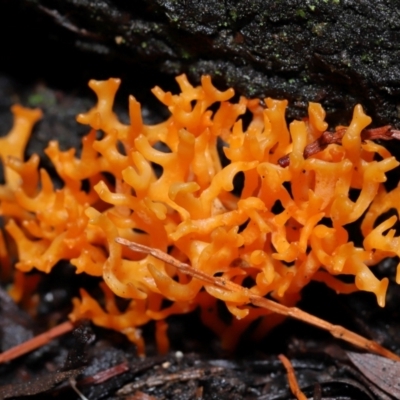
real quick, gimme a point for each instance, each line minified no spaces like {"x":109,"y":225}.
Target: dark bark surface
{"x":337,"y":52}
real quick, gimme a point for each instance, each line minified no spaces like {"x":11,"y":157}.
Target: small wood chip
{"x":160,"y":379}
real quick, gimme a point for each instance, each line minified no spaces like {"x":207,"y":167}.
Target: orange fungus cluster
{"x":286,"y":227}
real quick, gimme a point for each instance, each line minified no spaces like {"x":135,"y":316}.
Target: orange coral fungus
{"x":274,"y":232}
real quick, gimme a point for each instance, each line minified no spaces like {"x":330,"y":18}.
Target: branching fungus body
{"x":285,"y":228}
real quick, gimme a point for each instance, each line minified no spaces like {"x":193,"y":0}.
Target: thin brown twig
{"x":36,"y":342}
{"x":105,"y":375}
{"x":383,"y":133}
{"x":293,"y":384}
{"x":66,"y":23}
{"x":293,"y":312}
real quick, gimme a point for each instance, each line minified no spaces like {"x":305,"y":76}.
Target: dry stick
{"x":336,"y":330}
{"x":36,"y":342}
{"x":105,"y":375}
{"x":293,"y":384}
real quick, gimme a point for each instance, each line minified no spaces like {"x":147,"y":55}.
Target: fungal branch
{"x":245,"y":295}
{"x":273,"y":234}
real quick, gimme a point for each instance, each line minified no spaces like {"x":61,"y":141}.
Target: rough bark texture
{"x":338,"y":52}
